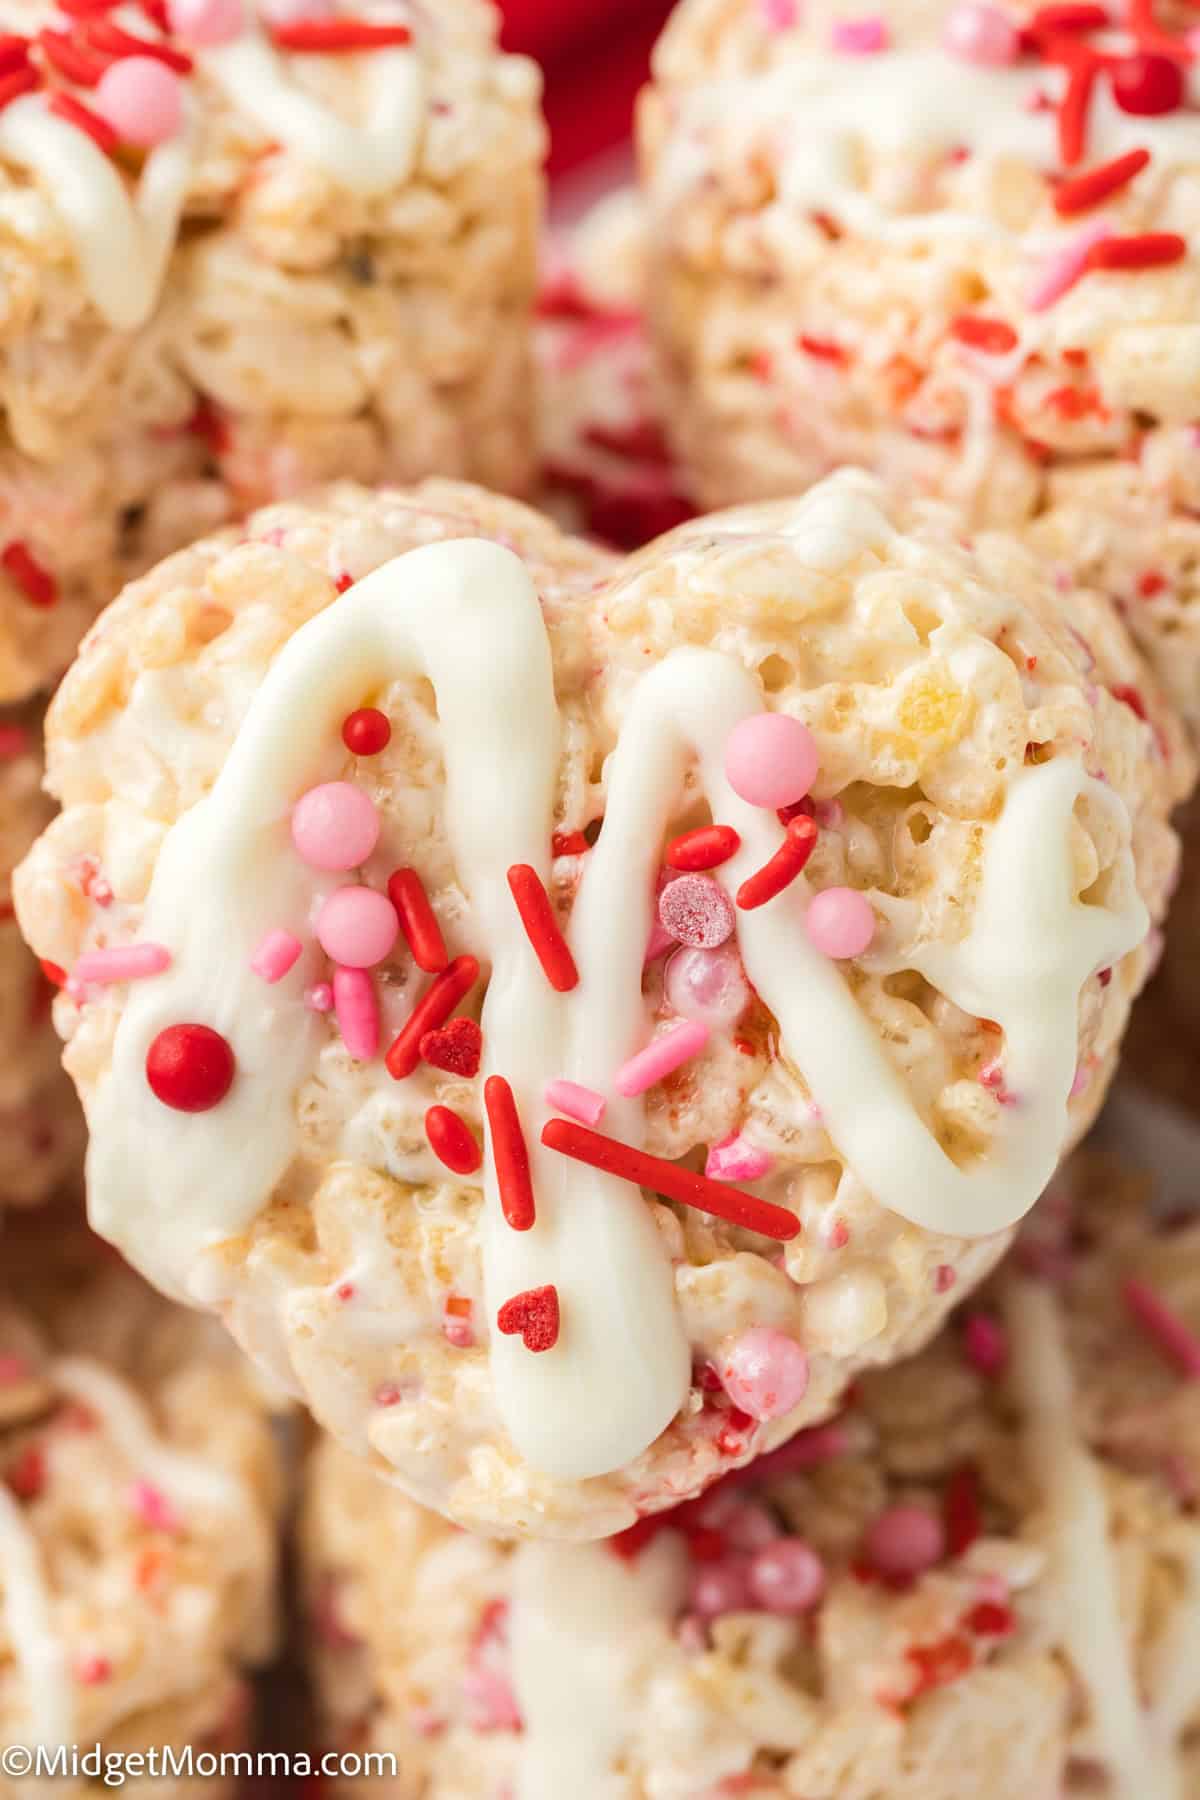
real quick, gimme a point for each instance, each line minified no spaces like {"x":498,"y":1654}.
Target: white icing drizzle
{"x":586,"y":1627}
{"x":1142,"y":1764}
{"x":464,"y":614}
{"x":122,"y":242}
{"x":39,"y":1652}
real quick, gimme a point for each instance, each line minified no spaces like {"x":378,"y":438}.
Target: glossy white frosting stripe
{"x":28,"y":1617}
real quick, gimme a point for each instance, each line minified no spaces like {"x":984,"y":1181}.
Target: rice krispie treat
{"x":954,"y":241}
{"x":248,"y":245}
{"x":140,"y":1496}
{"x":606,"y":465}
{"x":771,"y":904}
{"x":980,"y":1582}
{"x":41,"y":1126}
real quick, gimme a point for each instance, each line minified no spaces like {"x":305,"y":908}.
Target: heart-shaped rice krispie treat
{"x":771,"y":904}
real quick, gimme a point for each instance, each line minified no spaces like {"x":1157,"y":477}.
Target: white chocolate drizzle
{"x":169,"y":1188}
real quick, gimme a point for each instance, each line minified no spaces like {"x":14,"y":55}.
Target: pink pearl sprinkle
{"x":771,"y":759}
{"x":126,"y":964}
{"x":735,"y":1159}
{"x":1062,"y":270}
{"x":278,"y":952}
{"x":981,"y":34}
{"x":582,"y":1103}
{"x":142,"y":100}
{"x":696,"y":911}
{"x":205,"y":22}
{"x":660,"y":1058}
{"x":153,"y":1507}
{"x":905,"y":1540}
{"x":1173,"y":1336}
{"x":335,"y":826}
{"x":357,"y":1012}
{"x":859,"y":37}
{"x":765,"y":1373}
{"x":840,"y":922}
{"x":720,"y":1588}
{"x":788,"y":1577}
{"x":319,"y":997}
{"x":747,"y":1526}
{"x":357,"y":927}
{"x":708,"y":985}
{"x":985,"y":1343}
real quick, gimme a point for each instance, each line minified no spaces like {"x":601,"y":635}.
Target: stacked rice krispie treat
{"x":247,"y":245}
{"x":140,"y":1500}
{"x":954,"y":241}
{"x":981,"y":1581}
{"x":770,"y":904}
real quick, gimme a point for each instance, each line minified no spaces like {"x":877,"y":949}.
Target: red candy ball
{"x":366,"y":732}
{"x":1147,"y":85}
{"x":190,"y":1067}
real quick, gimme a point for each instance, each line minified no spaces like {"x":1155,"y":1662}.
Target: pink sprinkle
{"x":142,"y":100}
{"x":839,"y":1235}
{"x":357,"y":927}
{"x":736,"y":1159}
{"x":840,"y":922}
{"x":661,"y":1057}
{"x":1062,"y":270}
{"x":905,"y":1540}
{"x":490,"y":1702}
{"x":278,"y":952}
{"x":127,"y":964}
{"x":985,"y":1344}
{"x":719,"y":1588}
{"x":335,"y":826}
{"x":1178,"y":1342}
{"x":92,"y":1670}
{"x":944,"y":1278}
{"x":779,"y":15}
{"x":708,"y":985}
{"x":459,"y":1333}
{"x":14,"y":1370}
{"x":981,"y":34}
{"x":771,"y":759}
{"x":1082,"y":1079}
{"x":860,"y":37}
{"x":582,"y":1103}
{"x":696,"y":911}
{"x":829,"y":814}
{"x":388,"y":1394}
{"x":205,"y":22}
{"x":153,"y":1507}
{"x":319,"y":997}
{"x":788,"y":1577}
{"x":765,"y":1373}
{"x":357,"y":1012}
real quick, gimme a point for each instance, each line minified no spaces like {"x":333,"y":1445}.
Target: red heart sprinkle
{"x":533,"y":1314}
{"x":455,"y":1047}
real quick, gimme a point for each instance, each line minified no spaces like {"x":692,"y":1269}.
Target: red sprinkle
{"x":1151,"y":583}
{"x":939,"y":1664}
{"x":993,"y":336}
{"x":1170,"y":1334}
{"x":109,"y":38}
{"x":190,"y":1067}
{"x":1147,"y":85}
{"x":705,"y":848}
{"x":823,"y":349}
{"x":784,"y":866}
{"x":1072,"y":114}
{"x":85,"y":120}
{"x":21,"y":81}
{"x":432,"y":1009}
{"x":1130,"y":697}
{"x":569,"y":843}
{"x":533,"y":1316}
{"x":14,"y":52}
{"x":1149,"y":250}
{"x":418,"y":921}
{"x":367,"y":731}
{"x":961,"y":1512}
{"x":455,"y":1047}
{"x":669,"y":1179}
{"x":1087,"y":190}
{"x":73,"y":60}
{"x":35,"y":581}
{"x":541,"y":928}
{"x":52,"y":972}
{"x":327,"y":37}
{"x":991,"y":1618}
{"x":509,"y":1154}
{"x":452,"y":1142}
{"x":27,"y":1476}
{"x":1068,"y":15}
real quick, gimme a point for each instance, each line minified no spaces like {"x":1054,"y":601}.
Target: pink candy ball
{"x":696,"y":911}
{"x":719,"y":1588}
{"x":771,"y":759}
{"x":981,"y":34}
{"x":357,"y":927}
{"x":905,"y":1540}
{"x":707,"y":985}
{"x":840,"y":922}
{"x":335,"y":826}
{"x":765,"y":1373}
{"x":205,"y":22}
{"x":787,"y":1577}
{"x":142,"y":100}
